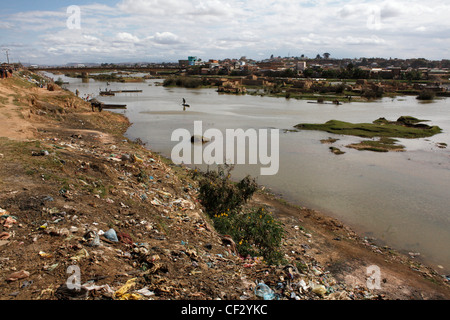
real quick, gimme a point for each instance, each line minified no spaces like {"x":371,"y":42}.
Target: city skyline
{"x":60,"y":32}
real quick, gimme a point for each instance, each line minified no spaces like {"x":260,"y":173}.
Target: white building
{"x":301,"y":66}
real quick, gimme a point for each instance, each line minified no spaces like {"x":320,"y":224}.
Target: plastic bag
{"x":111,"y":235}
{"x":263,"y":291}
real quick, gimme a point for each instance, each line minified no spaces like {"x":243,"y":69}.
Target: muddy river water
{"x":402,"y":199}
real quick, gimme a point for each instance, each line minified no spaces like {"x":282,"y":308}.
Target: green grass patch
{"x":404,"y":127}
{"x":383,"y":144}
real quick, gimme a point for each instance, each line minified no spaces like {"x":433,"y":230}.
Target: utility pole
{"x":7,"y":53}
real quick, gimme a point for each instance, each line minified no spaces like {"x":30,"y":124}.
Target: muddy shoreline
{"x":73,"y":174}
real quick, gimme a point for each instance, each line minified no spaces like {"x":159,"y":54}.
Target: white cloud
{"x":349,"y":40}
{"x":165,"y":38}
{"x":5,"y":25}
{"x":169,"y":8}
{"x":127,"y":37}
{"x":173,"y":29}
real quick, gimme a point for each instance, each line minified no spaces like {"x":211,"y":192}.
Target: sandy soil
{"x":12,"y":121}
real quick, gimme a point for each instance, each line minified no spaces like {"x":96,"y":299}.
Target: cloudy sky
{"x":59,"y":32}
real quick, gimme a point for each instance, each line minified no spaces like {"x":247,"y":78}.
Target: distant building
{"x":183,"y":63}
{"x":301,"y":66}
{"x":438,"y":71}
{"x":192,"y":61}
{"x":396,"y":71}
{"x":275,"y":66}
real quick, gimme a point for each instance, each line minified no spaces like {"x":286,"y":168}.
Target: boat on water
{"x":114,"y":106}
{"x":107,"y":93}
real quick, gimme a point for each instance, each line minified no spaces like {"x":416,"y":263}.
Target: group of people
{"x":5,"y":73}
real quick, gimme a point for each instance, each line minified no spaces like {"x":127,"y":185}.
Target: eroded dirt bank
{"x":68,"y":176}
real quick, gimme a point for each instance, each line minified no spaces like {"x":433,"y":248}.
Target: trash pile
{"x":145,"y":237}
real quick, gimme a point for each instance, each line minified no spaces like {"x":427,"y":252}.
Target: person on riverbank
{"x":2,"y":73}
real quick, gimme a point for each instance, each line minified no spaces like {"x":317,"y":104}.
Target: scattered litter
{"x":40,"y":153}
{"x":122,"y":292}
{"x":124,"y":238}
{"x":319,"y":289}
{"x":64,"y":293}
{"x":43,"y":254}
{"x":145,"y":292}
{"x":5,"y":235}
{"x":104,"y":290}
{"x":263,"y":291}
{"x":93,"y":238}
{"x":9,"y":222}
{"x":82,"y":254}
{"x":18,"y":275}
{"x":111,"y":235}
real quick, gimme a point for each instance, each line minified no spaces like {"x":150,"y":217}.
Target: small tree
{"x":59,"y":82}
{"x":255,"y":231}
{"x":426,"y":95}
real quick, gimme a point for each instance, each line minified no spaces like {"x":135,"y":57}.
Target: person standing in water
{"x":185,"y":105}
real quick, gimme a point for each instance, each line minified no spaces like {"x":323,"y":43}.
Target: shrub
{"x":426,"y":95}
{"x":339,"y":88}
{"x":255,"y":231}
{"x":168,"y":82}
{"x":373,"y":94}
{"x":218,"y":194}
{"x":59,"y":82}
{"x":183,"y":82}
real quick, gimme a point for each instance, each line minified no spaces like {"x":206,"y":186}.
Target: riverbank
{"x":335,"y":91}
{"x":69,"y":175}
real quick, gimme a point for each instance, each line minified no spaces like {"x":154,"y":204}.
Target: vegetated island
{"x":405,"y":127}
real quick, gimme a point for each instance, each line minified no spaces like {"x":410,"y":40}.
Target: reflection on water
{"x":402,"y":199}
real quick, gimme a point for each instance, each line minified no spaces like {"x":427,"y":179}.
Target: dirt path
{"x":12,"y":120}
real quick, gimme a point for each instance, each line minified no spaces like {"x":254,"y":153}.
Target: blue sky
{"x":43,"y":5}
{"x":168,"y":30}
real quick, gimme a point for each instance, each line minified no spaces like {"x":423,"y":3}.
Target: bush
{"x":426,"y":95}
{"x":59,"y":82}
{"x":183,"y":82}
{"x":255,"y":231}
{"x":169,"y":82}
{"x":218,"y":194}
{"x":373,"y":94}
{"x":339,"y":88}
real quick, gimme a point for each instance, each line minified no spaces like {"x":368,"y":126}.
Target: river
{"x":401,"y":199}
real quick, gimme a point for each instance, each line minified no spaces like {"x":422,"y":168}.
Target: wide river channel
{"x":401,"y":199}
